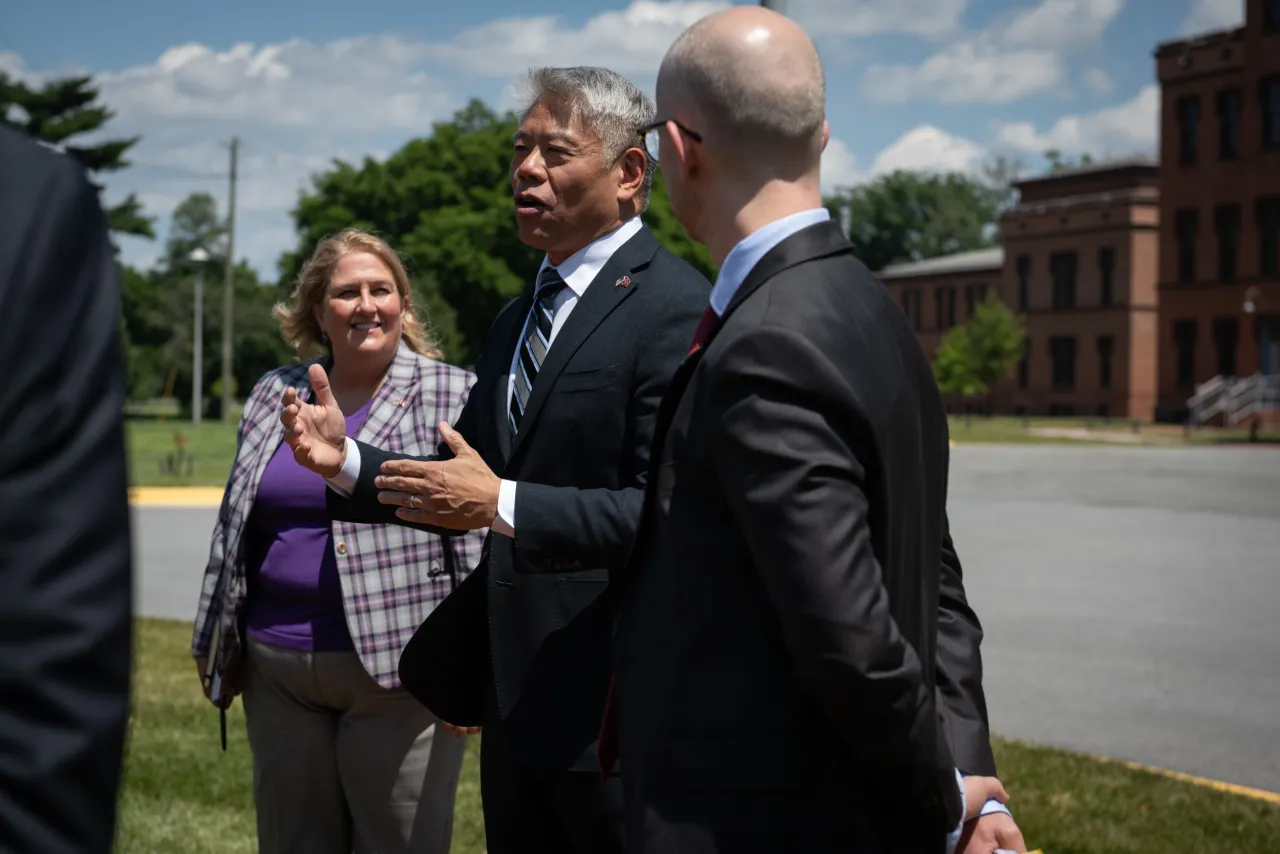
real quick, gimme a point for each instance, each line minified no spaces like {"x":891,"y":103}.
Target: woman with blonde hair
{"x":306,"y":616}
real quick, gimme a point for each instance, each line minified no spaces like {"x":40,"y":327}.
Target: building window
{"x":1024,"y":364}
{"x":1184,"y":345}
{"x":1024,"y":282}
{"x":1062,"y":267}
{"x":916,"y":302}
{"x":1226,"y":332}
{"x":1106,"y":274}
{"x":1062,"y":352}
{"x":1269,"y":96}
{"x":1104,"y":411}
{"x":1226,"y":222}
{"x":1188,"y":128}
{"x":1062,"y":410}
{"x":973,"y":296}
{"x":1268,"y":217}
{"x":1186,"y":224}
{"x":1228,"y":124}
{"x":951,"y":307}
{"x":1106,"y":349}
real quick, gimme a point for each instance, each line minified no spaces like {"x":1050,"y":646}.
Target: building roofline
{"x":972,"y":261}
{"x":1138,"y":162}
{"x":1170,"y":48}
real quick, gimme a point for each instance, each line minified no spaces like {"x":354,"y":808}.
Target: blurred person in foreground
{"x":781,"y":680}
{"x":65,"y":578}
{"x":552,"y":452}
{"x":309,"y":616}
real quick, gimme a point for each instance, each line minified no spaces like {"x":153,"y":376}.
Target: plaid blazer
{"x":392,"y":576}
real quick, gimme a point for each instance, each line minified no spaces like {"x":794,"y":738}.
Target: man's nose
{"x":532,"y":168}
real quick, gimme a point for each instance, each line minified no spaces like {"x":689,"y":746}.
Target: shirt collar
{"x":580,"y":268}
{"x":743,"y":258}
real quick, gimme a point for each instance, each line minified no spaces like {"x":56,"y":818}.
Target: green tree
{"x":444,"y":202}
{"x":1059,"y":162}
{"x":158,"y":313}
{"x":909,"y":216}
{"x":59,"y":111}
{"x":977,"y":355}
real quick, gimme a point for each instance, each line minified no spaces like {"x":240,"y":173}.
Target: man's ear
{"x":687,"y":155}
{"x":826,"y":134}
{"x":633,"y":164}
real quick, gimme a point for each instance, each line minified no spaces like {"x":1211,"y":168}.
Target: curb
{"x":175,"y":496}
{"x":1219,"y":785}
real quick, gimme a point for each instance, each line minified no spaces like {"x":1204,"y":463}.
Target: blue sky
{"x":929,"y":84}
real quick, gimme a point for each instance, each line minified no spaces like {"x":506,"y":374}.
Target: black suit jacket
{"x":779,"y":617}
{"x":65,"y":586}
{"x":580,"y":460}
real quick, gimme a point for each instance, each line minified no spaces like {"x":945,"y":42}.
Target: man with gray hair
{"x":797,"y":667}
{"x":551,"y":453}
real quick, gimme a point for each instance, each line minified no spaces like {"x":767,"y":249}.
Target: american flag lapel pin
{"x":624,"y":282}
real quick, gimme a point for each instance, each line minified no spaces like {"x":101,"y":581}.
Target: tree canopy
{"x":58,"y":112}
{"x":909,"y":216}
{"x":977,"y":355}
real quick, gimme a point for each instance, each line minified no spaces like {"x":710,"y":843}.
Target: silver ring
{"x":415,"y":501}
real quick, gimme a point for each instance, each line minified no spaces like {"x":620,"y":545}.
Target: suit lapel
{"x":502,"y":394}
{"x":601,"y":298}
{"x":391,"y":401}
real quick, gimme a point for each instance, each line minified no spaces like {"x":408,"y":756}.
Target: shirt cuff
{"x":953,"y":838}
{"x":505,"y":522}
{"x":994,"y":806}
{"x":344,"y":482}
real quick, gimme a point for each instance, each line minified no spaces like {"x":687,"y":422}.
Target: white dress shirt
{"x":578,"y":271}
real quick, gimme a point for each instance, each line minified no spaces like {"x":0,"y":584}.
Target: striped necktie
{"x":535,"y":343}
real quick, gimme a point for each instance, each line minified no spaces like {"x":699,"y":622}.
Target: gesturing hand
{"x":995,"y":831}
{"x":979,"y":790}
{"x":315,"y":431}
{"x":461,"y":493}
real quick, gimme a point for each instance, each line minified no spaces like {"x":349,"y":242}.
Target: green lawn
{"x":181,"y":793}
{"x":209,"y":449}
{"x":180,"y":453}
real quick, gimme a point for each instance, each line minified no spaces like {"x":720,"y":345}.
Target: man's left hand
{"x":461,"y":493}
{"x":986,"y":833}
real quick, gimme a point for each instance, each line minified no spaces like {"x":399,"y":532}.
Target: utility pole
{"x":197,"y":357}
{"x":229,"y":289}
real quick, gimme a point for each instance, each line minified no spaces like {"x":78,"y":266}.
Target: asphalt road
{"x":1131,"y":597}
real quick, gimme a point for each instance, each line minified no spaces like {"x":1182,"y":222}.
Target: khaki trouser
{"x":341,"y":764}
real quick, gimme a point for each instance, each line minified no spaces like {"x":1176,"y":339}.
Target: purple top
{"x":295,"y":595}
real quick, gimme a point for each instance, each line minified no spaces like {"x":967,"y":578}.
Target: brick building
{"x":1079,"y":263}
{"x":1219,"y":291}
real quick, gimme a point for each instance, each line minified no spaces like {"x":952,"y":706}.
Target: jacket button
{"x":342,"y":548}
{"x":433,"y":569}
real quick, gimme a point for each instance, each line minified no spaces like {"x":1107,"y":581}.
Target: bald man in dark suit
{"x":65,"y":586}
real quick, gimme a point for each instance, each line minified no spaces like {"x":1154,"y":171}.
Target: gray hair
{"x":608,"y":104}
{"x":775,"y":110}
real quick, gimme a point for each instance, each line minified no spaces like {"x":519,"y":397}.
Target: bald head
{"x":755,"y":79}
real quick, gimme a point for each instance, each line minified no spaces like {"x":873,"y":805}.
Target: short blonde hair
{"x":297,"y":315}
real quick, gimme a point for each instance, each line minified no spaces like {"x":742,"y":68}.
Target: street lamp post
{"x":199,"y":256}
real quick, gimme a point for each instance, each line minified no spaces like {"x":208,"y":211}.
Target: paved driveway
{"x":1131,"y":597}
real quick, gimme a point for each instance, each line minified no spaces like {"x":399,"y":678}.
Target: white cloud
{"x":1098,"y":82}
{"x":1128,"y":128}
{"x":839,"y":169}
{"x":291,"y":84}
{"x":630,"y":40}
{"x":1207,"y":15}
{"x":967,"y":72}
{"x":861,"y":18}
{"x":924,"y":148}
{"x":929,"y":149}
{"x":1056,"y":24}
{"x":1017,"y":55}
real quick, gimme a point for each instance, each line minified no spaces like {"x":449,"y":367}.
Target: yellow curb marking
{"x":1232,"y":788}
{"x":176,"y":496}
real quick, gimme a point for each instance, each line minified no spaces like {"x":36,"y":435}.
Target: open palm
{"x":315,"y":431}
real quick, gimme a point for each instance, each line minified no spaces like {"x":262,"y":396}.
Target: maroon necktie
{"x":607,"y":745}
